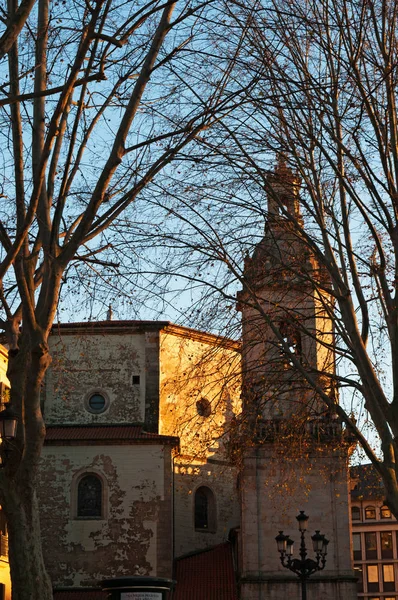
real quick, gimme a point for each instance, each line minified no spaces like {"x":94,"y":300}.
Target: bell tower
{"x":295,"y":452}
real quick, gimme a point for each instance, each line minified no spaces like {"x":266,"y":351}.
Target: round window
{"x":203,"y":407}
{"x":97,"y":403}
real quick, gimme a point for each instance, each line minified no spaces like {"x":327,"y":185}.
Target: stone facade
{"x":168,"y":394}
{"x":272,"y":495}
{"x":164,"y":441}
{"x":197,"y":371}
{"x":298,"y":457}
{"x":94,"y":359}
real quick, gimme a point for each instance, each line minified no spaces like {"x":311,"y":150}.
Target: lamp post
{"x":8,"y":429}
{"x":303,"y":567}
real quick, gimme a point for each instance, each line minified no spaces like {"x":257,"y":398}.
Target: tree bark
{"x":30,"y":580}
{"x":26,"y":370}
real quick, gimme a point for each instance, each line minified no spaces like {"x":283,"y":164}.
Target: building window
{"x":203,"y":407}
{"x":370,"y":512}
{"x":356,"y":545}
{"x":388,"y":578}
{"x":370,"y":545}
{"x":96,"y":402}
{"x":136,"y":380}
{"x":3,"y":537}
{"x":292,"y":338}
{"x":355,"y":513}
{"x":4,"y":395}
{"x":89,"y":497}
{"x":385,"y":512}
{"x":386,"y":544}
{"x":359,"y":573}
{"x":205,"y":509}
{"x":373,"y":578}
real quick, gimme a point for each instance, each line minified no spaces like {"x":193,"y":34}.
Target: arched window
{"x":385,"y":512}
{"x":203,"y":407}
{"x":291,"y":337}
{"x":205,"y":509}
{"x":89,"y":496}
{"x":370,"y":512}
{"x":355,"y":513}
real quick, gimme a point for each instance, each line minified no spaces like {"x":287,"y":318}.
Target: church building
{"x":134,"y":469}
{"x":176,"y":453}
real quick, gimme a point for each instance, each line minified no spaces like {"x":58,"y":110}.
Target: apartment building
{"x":374,"y":537}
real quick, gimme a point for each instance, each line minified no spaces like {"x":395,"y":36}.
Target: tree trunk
{"x":26,"y":369}
{"x":30,"y":580}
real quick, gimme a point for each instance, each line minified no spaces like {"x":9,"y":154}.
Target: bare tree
{"x":323,"y":100}
{"x":98,"y":98}
{"x":13,"y":25}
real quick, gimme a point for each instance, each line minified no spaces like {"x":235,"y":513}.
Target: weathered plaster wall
{"x":178,"y":368}
{"x":137,"y":513}
{"x":196,"y":368}
{"x":85,"y":363}
{"x":221,"y":479}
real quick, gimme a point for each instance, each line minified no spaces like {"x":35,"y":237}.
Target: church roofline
{"x":135,"y":326}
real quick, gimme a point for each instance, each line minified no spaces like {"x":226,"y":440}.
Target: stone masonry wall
{"x":84,"y":364}
{"x":196,"y":370}
{"x":221,"y":479}
{"x":276,"y":486}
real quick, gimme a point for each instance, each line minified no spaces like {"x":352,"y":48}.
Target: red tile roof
{"x":105,"y":433}
{"x":207,"y":575}
{"x":79,"y":594}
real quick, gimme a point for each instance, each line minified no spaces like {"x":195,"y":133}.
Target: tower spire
{"x":282,"y":187}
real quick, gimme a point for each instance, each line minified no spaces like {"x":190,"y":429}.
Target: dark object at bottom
{"x":138,"y":588}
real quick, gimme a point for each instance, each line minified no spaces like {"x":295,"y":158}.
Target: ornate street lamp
{"x":8,"y":423}
{"x":303,"y":567}
{"x":8,"y":430}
